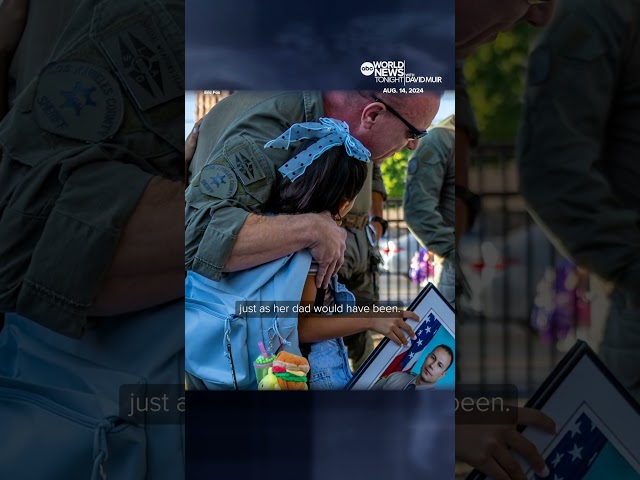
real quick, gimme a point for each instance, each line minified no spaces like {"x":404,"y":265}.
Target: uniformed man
{"x":578,"y":155}
{"x":222,"y":232}
{"x":433,"y":368}
{"x":429,"y":201}
{"x":91,"y":201}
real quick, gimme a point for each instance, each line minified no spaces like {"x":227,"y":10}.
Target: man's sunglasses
{"x":414,"y":133}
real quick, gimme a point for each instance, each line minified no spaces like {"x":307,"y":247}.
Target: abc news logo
{"x":383,"y":69}
{"x":367,"y":68}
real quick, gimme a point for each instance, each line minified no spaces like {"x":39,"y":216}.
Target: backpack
{"x":221,"y":342}
{"x":68,"y":399}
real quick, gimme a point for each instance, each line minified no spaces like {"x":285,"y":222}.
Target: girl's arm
{"x":314,"y":327}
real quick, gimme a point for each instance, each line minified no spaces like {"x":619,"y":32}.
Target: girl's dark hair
{"x":330,"y":180}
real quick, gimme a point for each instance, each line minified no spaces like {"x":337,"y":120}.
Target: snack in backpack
{"x":291,"y":371}
{"x":262,"y":364}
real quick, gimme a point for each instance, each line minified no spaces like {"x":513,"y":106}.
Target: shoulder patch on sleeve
{"x":218,"y":181}
{"x":78,"y":100}
{"x":248,"y":171}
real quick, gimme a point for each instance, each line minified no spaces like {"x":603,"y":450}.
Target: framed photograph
{"x":597,"y":421}
{"x":424,"y":363}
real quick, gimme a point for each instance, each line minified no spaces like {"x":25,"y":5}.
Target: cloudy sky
{"x":252,"y":44}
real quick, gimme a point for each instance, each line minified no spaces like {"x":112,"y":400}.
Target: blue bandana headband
{"x":330,"y":132}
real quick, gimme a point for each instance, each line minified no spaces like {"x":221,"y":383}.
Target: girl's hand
{"x":393,"y":327}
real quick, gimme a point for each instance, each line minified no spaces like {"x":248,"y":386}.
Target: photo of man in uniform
{"x":434,"y":367}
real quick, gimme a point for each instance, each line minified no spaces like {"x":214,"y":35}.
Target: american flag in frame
{"x":597,"y":418}
{"x":437,"y":322}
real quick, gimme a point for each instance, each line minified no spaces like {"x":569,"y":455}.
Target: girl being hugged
{"x":326,"y":173}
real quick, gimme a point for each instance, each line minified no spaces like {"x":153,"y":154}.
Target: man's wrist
{"x":309,"y":229}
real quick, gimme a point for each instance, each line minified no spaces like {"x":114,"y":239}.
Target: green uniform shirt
{"x":77,"y":150}
{"x":231,"y":172}
{"x":579,"y":145}
{"x":429,"y":196}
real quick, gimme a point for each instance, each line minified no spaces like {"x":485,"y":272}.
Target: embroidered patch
{"x":248,"y":171}
{"x":146,"y":64}
{"x":78,"y":100}
{"x":218,"y":181}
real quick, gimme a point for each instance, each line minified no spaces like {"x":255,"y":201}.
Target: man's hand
{"x":488,"y":447}
{"x":264,"y":238}
{"x":13,"y":18}
{"x":327,"y":248}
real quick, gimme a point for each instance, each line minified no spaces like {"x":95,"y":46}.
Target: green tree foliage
{"x":496,"y":80}
{"x":394,"y":173}
{"x":496,"y":75}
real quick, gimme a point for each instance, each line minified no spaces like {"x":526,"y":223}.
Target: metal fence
{"x":398,"y":247}
{"x":504,"y":259}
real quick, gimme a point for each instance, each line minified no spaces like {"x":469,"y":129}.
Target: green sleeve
{"x":215,"y":215}
{"x":56,"y":261}
{"x":231,"y":144}
{"x":423,"y":197}
{"x":566,"y":142}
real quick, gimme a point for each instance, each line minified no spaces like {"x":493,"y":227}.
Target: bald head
{"x":379,"y":129}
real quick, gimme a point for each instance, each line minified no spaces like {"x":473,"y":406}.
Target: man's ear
{"x":370,"y":114}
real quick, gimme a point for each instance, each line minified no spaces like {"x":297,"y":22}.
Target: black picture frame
{"x":559,"y":375}
{"x":442,"y":309}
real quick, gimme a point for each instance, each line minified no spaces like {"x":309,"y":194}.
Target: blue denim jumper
{"x":328,"y":360}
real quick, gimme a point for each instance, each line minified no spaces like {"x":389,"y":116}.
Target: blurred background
{"x":526,"y":304}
